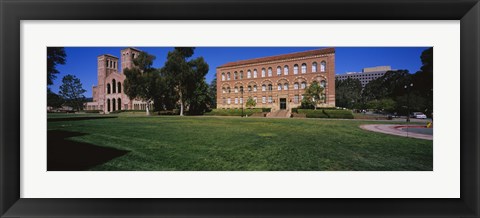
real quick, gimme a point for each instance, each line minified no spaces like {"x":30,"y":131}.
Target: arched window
{"x":279,"y":71}
{"x":114,"y":86}
{"x":228,"y":89}
{"x":236,"y":89}
{"x":241,"y":74}
{"x":279,"y":87}
{"x":295,"y":69}
{"x":113,"y":104}
{"x":108,"y":105}
{"x":285,"y":70}
{"x":254,"y":73}
{"x":264,"y":88}
{"x":304,"y":68}
{"x":119,"y":104}
{"x":304,"y":85}
{"x":254,"y":88}
{"x":235,"y":75}
{"x":224,"y":90}
{"x":314,"y":67}
{"x":295,"y":86}
{"x":223,"y":76}
{"x":285,"y":86}
{"x":249,"y":74}
{"x":263,"y":72}
{"x":323,"y":66}
{"x":270,"y":87}
{"x":108,"y":88}
{"x":119,"y":84}
{"x":323,"y":83}
{"x":228,"y":75}
{"x":269,"y":71}
{"x":241,"y":88}
{"x":249,"y":88}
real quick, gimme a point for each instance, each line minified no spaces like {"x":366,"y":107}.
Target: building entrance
{"x":283,"y":103}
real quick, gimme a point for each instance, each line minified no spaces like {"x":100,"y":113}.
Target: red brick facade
{"x":108,"y":95}
{"x":260,"y":80}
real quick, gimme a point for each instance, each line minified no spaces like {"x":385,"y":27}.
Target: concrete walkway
{"x":393,"y":129}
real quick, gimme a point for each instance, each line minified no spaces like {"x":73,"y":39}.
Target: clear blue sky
{"x":82,"y":61}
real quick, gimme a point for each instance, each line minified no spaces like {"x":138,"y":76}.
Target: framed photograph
{"x":228,"y":108}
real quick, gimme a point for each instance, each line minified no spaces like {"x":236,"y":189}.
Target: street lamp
{"x":407,"y":88}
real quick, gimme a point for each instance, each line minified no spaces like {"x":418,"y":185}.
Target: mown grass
{"x":165,"y":143}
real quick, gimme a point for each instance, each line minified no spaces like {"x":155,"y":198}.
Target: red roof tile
{"x":280,"y":57}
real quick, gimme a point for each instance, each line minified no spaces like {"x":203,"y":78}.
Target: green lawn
{"x":233,"y":143}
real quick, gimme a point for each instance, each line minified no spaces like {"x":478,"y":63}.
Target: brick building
{"x":108,"y":95}
{"x":276,"y":82}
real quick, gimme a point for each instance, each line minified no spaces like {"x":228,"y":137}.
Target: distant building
{"x":108,"y":94}
{"x":368,"y":74}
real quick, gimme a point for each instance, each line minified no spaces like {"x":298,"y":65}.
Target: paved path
{"x":395,"y":130}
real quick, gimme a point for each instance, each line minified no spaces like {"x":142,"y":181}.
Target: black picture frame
{"x":13,"y":11}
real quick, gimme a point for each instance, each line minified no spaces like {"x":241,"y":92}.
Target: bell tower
{"x":128,"y":55}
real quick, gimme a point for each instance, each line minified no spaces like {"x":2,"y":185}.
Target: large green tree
{"x":213,"y":93}
{"x":423,"y":82}
{"x":348,"y":93}
{"x":143,"y":81}
{"x":187,"y":77}
{"x":72,"y":91}
{"x":54,"y":100}
{"x":55,"y":56}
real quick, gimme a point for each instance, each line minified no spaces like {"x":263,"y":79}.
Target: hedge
{"x":235,"y":112}
{"x":91,"y":111}
{"x":326,"y":113}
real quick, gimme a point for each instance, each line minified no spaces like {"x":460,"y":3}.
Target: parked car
{"x":419,"y":115}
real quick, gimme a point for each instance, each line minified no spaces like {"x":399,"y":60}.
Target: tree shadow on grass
{"x":67,"y":155}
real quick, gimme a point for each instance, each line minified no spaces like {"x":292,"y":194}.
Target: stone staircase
{"x":279,"y":114}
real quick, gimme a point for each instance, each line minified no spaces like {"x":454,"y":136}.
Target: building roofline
{"x":113,"y":56}
{"x":132,"y":48}
{"x":279,"y":57}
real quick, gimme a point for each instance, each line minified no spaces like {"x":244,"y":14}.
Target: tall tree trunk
{"x":181,"y":104}
{"x":146,"y":108}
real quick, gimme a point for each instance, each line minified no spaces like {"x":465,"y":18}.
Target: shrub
{"x":326,"y":113}
{"x":172,"y":112}
{"x":234,"y":112}
{"x":91,"y":111}
{"x":266,"y":109}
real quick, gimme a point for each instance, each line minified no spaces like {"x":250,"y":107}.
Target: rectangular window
{"x":228,"y":101}
{"x":269,"y":99}
{"x":264,"y":99}
{"x":241,"y":100}
{"x":236,"y":100}
{"x":295,"y":99}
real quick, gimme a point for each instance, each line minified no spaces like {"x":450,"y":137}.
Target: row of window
{"x":116,"y":87}
{"x":265,"y":100}
{"x":269,"y":87}
{"x":236,"y":75}
{"x":111,"y":64}
{"x":114,"y":104}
